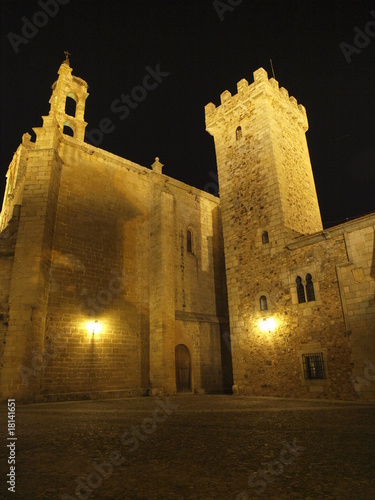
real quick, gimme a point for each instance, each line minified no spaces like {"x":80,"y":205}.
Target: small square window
{"x":313,"y":366}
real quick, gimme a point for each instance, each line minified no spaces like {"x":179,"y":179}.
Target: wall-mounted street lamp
{"x":267,"y":325}
{"x":94,"y":327}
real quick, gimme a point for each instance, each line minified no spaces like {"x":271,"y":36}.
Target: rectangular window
{"x":313,"y":366}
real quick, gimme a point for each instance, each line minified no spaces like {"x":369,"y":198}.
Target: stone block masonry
{"x":272,"y":238}
{"x":96,"y":268}
{"x":118,"y":280}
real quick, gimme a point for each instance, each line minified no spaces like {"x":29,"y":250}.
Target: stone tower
{"x":30,"y":204}
{"x":69,"y":87}
{"x":268,"y":197}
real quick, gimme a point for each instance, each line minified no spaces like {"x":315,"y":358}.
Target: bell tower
{"x":34,"y":183}
{"x":268,"y":197}
{"x":69,"y":87}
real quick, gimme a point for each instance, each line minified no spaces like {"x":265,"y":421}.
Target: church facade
{"x":117,"y":280}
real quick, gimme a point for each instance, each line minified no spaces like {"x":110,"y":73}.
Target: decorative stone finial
{"x":157,"y":166}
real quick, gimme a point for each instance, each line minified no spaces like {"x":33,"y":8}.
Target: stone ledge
{"x":90,"y":395}
{"x":205,"y":318}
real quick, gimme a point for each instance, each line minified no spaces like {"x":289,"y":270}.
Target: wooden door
{"x":183,"y":379}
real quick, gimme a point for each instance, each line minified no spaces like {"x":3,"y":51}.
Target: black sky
{"x":112,"y":42}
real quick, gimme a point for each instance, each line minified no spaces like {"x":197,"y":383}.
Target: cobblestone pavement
{"x":192,"y":447}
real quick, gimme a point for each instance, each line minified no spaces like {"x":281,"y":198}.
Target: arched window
{"x":238,"y":133}
{"x":265,"y":239}
{"x":310,"y":294}
{"x":190,"y":241}
{"x":263,"y":303}
{"x":300,"y":290}
{"x":70,"y":106}
{"x":67,"y":130}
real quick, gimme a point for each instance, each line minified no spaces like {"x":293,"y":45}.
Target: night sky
{"x":201,"y":48}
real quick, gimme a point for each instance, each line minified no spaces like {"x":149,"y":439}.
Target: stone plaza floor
{"x":191,"y":447}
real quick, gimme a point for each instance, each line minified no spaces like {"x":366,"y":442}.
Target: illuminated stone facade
{"x":90,"y":237}
{"x":114,"y":275}
{"x":301,"y":300}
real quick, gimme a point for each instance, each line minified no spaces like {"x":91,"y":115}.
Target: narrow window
{"x":300,"y":290}
{"x":68,"y":131}
{"x":238,"y":133}
{"x":265,"y":239}
{"x":310,"y":294}
{"x":10,"y":183}
{"x":70,"y":106}
{"x":189,"y":241}
{"x":263,"y":303}
{"x":313,"y":366}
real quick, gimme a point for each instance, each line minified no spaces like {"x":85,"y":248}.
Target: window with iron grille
{"x":313,"y":366}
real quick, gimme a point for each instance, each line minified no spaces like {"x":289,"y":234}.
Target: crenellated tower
{"x":262,"y":154}
{"x":268,"y":197}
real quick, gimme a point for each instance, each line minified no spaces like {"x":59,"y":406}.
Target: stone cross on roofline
{"x":67,"y":54}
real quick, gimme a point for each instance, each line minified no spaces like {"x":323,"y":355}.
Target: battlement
{"x":262,"y":156}
{"x":262,"y":87}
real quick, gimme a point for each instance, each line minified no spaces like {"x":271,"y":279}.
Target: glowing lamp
{"x":267,"y":325}
{"x":94,"y":327}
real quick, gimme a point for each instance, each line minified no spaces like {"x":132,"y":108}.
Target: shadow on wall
{"x":372,"y":270}
{"x":93,"y":243}
{"x":222,"y":301}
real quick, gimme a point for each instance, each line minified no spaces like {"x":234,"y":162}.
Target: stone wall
{"x":98,"y":273}
{"x":106,"y":266}
{"x":357,"y":285}
{"x":272,"y":235}
{"x":7,"y":246}
{"x":29,"y":284}
{"x":318,"y":326}
{"x":104,"y":241}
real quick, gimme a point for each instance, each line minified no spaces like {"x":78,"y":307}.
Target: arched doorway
{"x":183,"y":371}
